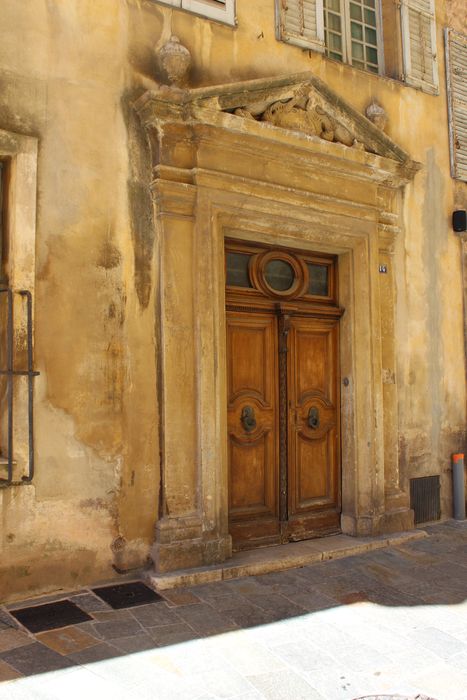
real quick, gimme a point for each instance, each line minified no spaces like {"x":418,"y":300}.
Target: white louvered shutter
{"x":220,"y":10}
{"x":419,"y":44}
{"x":456,"y":73}
{"x":174,"y":3}
{"x":300,"y":22}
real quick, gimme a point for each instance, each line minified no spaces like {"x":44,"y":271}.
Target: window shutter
{"x":456,"y":73}
{"x":300,"y":22}
{"x":419,"y":44}
{"x":220,"y":10}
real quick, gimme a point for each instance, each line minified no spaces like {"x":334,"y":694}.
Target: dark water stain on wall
{"x":23,"y":103}
{"x":434,"y":245}
{"x":139,"y":201}
{"x":109,"y":256}
{"x":142,"y":233}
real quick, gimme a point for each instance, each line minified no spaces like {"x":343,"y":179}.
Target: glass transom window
{"x":279,"y":275}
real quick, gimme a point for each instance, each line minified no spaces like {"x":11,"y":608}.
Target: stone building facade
{"x":180,"y":403}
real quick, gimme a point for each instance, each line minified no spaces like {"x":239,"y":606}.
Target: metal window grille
{"x":11,"y":374}
{"x":425,"y":498}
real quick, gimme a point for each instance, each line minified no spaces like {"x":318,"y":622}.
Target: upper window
{"x":352,"y":32}
{"x":220,"y":10}
{"x":381,"y":36}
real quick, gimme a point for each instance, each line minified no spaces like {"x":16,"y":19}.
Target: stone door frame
{"x":217,"y":176}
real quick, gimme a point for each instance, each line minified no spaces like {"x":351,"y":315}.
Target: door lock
{"x":313,"y":418}
{"x":248,"y":419}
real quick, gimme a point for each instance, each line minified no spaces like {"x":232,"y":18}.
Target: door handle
{"x":248,"y":419}
{"x":313,"y":418}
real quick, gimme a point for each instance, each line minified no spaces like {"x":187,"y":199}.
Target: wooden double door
{"x":283,"y":422}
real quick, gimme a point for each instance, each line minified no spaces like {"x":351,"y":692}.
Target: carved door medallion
{"x":283,"y":395}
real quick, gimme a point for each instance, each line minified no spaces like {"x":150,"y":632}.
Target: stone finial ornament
{"x":376,"y":114}
{"x":175,"y":60}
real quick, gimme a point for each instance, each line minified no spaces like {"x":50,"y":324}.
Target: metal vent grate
{"x":425,"y":498}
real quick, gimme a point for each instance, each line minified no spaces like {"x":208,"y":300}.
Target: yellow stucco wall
{"x":69,"y":71}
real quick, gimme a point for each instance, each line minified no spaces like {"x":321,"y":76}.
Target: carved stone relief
{"x":302,"y":113}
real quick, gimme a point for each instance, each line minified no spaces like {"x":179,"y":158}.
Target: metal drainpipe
{"x":458,"y":486}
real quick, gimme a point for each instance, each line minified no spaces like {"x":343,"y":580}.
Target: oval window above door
{"x":279,"y":274}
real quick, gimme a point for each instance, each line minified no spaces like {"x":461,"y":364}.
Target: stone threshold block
{"x":280,"y":558}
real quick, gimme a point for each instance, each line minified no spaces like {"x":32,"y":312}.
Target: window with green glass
{"x":319,"y":280}
{"x":237,"y":270}
{"x":353,"y":33}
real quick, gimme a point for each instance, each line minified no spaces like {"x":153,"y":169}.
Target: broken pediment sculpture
{"x":302,"y":113}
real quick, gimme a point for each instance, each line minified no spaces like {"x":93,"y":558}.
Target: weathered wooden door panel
{"x":252,"y":428}
{"x":313,"y":437}
{"x":283,"y":394}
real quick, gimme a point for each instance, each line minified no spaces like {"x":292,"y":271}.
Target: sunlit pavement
{"x":389,"y":621}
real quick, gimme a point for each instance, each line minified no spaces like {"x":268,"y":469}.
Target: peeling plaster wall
{"x":65,"y":78}
{"x":69,"y":71}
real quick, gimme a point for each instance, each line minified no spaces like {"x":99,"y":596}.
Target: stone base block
{"x":363,"y":526}
{"x":188,"y":527}
{"x":398,"y":520}
{"x":173,"y":550}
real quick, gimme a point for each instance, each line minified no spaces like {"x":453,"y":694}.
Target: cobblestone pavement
{"x":385,"y":622}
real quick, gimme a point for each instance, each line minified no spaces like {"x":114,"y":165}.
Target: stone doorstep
{"x":280,"y":558}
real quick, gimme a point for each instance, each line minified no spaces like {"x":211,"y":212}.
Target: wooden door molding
{"x":314,"y":435}
{"x":252,"y":427}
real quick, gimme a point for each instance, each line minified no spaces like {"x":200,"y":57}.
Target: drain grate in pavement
{"x":127,"y":595}
{"x":50,"y":616}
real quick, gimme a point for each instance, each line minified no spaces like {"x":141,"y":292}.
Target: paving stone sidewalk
{"x":385,"y":622}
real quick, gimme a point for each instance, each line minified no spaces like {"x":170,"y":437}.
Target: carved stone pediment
{"x":302,"y":103}
{"x":298,"y":104}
